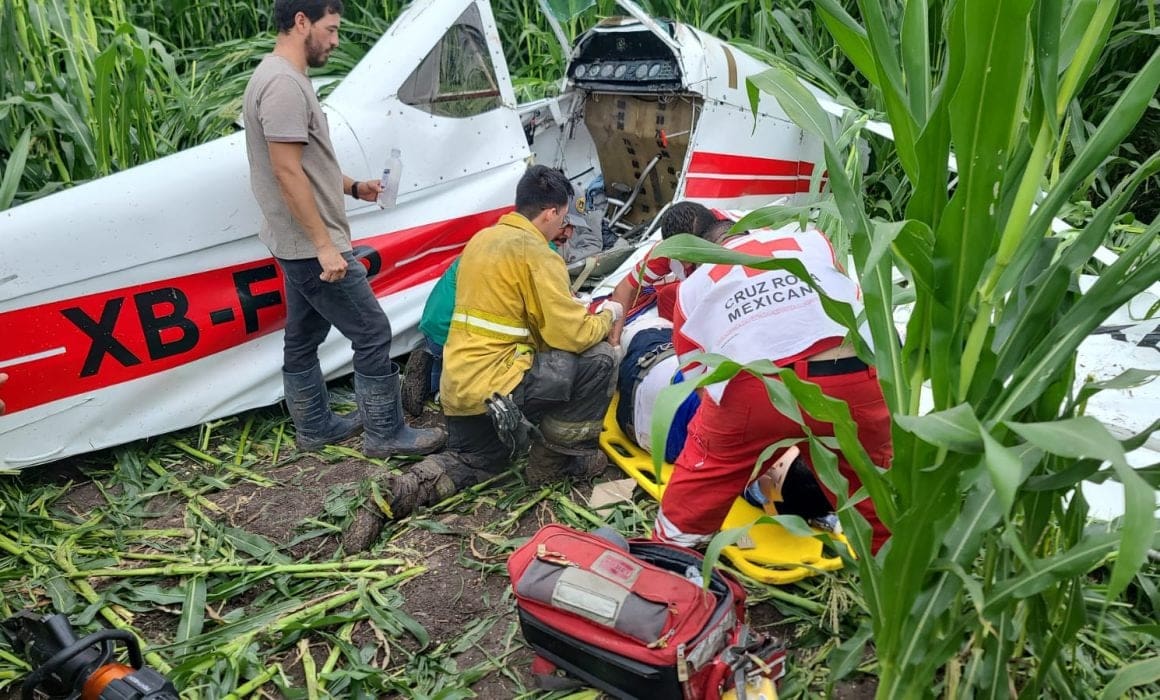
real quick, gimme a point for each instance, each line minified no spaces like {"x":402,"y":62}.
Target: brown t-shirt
{"x":280,"y":105}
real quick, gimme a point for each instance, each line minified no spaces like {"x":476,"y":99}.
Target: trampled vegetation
{"x":996,"y":585}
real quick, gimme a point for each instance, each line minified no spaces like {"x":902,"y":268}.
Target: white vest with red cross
{"x":749,"y":315}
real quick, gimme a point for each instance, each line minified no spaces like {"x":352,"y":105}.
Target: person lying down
{"x":785,"y":486}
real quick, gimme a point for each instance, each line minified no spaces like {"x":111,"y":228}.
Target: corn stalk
{"x":991,"y":539}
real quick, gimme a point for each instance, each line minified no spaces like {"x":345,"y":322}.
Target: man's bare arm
{"x":368,"y":190}
{"x":286,"y":159}
{"x":625,"y":294}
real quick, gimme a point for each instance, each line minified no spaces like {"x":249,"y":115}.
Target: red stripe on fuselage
{"x":725,"y":176}
{"x":99,"y":340}
{"x":706,"y":162}
{"x":713,"y":188}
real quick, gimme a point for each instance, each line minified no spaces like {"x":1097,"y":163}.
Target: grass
{"x":227,"y":612}
{"x":150,"y":545}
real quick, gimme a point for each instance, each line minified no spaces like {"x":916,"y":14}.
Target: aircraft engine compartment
{"x":638,"y":114}
{"x":641,"y":141}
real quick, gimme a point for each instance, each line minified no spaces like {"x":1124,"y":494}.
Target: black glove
{"x":514,"y":430}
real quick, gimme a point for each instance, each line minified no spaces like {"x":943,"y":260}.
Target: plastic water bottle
{"x":392,"y":174}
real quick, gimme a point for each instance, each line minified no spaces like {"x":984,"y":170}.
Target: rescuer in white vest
{"x":749,"y":315}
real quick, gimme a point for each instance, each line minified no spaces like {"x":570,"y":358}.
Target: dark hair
{"x":718,"y":231}
{"x":540,"y":188}
{"x":686,"y":217}
{"x":285,"y":10}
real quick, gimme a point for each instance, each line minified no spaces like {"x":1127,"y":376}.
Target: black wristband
{"x":354,"y":189}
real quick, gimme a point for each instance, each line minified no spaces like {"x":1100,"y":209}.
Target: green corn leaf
{"x":884,"y":236}
{"x":955,"y":428}
{"x":850,"y":36}
{"x":994,"y":681}
{"x":71,"y":123}
{"x":1006,"y":470}
{"x":837,"y":413}
{"x":1128,"y":379}
{"x":1045,"y":39}
{"x":903,"y":121}
{"x":1083,"y":557}
{"x":1136,"y":269}
{"x":391,"y":617}
{"x":777,"y":216}
{"x":669,"y":400}
{"x":984,"y":111}
{"x":913,"y":246}
{"x":14,"y":169}
{"x":1134,"y":675}
{"x":1026,"y":321}
{"x":1080,"y":470}
{"x":192,"y":610}
{"x":155,"y":594}
{"x":798,"y":103}
{"x":793,"y":524}
{"x":915,"y":47}
{"x":1087,"y":51}
{"x":723,"y":539}
{"x":1121,"y":119}
{"x":1085,"y":437}
{"x":1137,"y":441}
{"x":846,"y":657}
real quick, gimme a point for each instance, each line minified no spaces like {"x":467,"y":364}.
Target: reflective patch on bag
{"x":584,"y":602}
{"x":595,"y":598}
{"x":591,"y":596}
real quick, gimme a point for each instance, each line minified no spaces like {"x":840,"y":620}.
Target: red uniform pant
{"x":726,"y":439}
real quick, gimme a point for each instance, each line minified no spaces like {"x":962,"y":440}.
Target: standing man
{"x":299,"y":186}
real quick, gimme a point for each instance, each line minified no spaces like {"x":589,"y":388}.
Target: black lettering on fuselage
{"x":100,"y":332}
{"x":153,"y":324}
{"x":252,"y":303}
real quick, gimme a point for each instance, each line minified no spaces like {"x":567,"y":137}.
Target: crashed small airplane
{"x":143,"y":302}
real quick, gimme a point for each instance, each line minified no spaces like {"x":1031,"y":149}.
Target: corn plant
{"x":986,"y":570}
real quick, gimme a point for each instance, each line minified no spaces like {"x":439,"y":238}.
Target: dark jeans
{"x":563,"y":385}
{"x":313,"y":306}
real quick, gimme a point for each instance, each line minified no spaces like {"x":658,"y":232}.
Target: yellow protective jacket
{"x":511,"y":299}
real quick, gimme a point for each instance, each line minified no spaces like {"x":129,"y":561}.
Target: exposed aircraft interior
{"x":630,"y":109}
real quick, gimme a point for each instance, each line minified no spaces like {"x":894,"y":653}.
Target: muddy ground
{"x":463,"y":594}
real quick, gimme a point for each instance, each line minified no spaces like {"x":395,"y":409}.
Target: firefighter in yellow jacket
{"x":525,"y":363}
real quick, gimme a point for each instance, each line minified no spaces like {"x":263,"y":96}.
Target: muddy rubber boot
{"x":545,"y":465}
{"x":565,"y":449}
{"x":315,"y":425}
{"x":423,"y":484}
{"x":416,"y":382}
{"x":589,"y":465}
{"x":385,"y":433}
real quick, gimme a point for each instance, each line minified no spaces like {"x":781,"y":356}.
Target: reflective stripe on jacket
{"x":512,"y":298}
